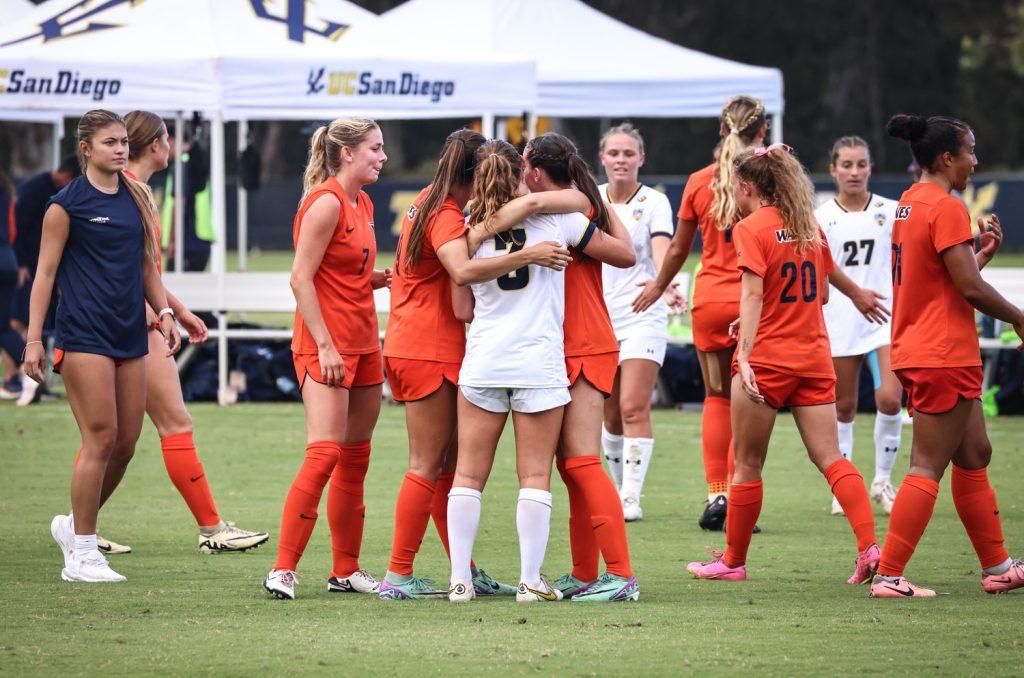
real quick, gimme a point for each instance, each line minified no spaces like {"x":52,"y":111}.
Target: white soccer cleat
{"x":60,"y":529}
{"x":231,"y":539}
{"x":540,"y":593}
{"x":461,"y":592}
{"x":92,"y":568}
{"x":281,"y":584}
{"x":631,"y":510}
{"x":837,"y":509}
{"x":111,"y":547}
{"x":884,"y":493}
{"x":359,"y":581}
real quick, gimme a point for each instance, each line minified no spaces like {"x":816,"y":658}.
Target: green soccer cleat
{"x":609,"y":588}
{"x":413,"y":589}
{"x":485,"y":585}
{"x":568,"y":584}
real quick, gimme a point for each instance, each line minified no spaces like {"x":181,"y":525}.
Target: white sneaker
{"x":837,"y":509}
{"x":631,"y":508}
{"x":359,"y":581}
{"x":29,"y":387}
{"x":111,"y":547}
{"x":92,"y":567}
{"x":231,"y":539}
{"x":461,"y":592}
{"x":541,"y":593}
{"x":885,"y":494}
{"x":60,"y":528}
{"x":281,"y":584}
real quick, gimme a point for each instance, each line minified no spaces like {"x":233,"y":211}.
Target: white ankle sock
{"x":84,"y":544}
{"x":1000,"y":568}
{"x":845,"y":431}
{"x":636,"y":458}
{"x":888,"y":434}
{"x":463,"y":521}
{"x":533,"y":521}
{"x":611,"y":445}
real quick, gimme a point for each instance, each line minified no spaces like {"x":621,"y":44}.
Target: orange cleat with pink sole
{"x":1012,"y":579}
{"x":867,"y":564}
{"x":900,"y":588}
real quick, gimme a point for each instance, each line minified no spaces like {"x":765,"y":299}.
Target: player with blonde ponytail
{"x":708,"y":205}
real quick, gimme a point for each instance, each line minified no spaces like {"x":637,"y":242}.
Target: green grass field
{"x":184,"y":613}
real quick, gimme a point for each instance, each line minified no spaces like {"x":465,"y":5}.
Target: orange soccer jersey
{"x":932,"y":323}
{"x":587,"y":325}
{"x":791,"y":336}
{"x":422,"y":324}
{"x":343,"y":280}
{"x":718,"y":278}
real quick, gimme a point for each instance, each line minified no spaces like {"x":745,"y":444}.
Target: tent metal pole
{"x":218,"y":205}
{"x":531,"y":125}
{"x":179,"y":193}
{"x":777,"y":128}
{"x":58,"y":134}
{"x":487,"y":125}
{"x":243,"y":200}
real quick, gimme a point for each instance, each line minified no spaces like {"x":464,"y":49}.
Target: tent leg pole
{"x":531,"y":125}
{"x":487,"y":125}
{"x":179,"y":193}
{"x":218,"y":202}
{"x":58,"y":134}
{"x":243,"y":202}
{"x":776,"y":128}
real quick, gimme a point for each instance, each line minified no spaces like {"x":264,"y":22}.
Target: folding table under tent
{"x":590,"y":65}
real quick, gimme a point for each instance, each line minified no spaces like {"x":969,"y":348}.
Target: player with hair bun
{"x":935,"y":354}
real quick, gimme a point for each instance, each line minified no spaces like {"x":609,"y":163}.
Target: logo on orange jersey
{"x":782,"y":235}
{"x":411,"y":214}
{"x":902,"y":212}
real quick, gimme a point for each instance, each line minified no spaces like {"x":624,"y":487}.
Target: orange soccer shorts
{"x":598,"y":369}
{"x":711,"y":321}
{"x":365,"y":369}
{"x":781,"y":389}
{"x":935,"y":390}
{"x":412,"y":379}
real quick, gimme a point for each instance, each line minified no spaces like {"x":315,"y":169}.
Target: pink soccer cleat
{"x":901,"y":588}
{"x":1007,"y":581}
{"x":717,"y":569}
{"x":867,"y":563}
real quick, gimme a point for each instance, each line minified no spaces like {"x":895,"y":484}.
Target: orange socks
{"x":605,"y":510}
{"x":439,"y":509}
{"x":582,"y":543}
{"x":716,"y":434}
{"x":848,"y":487}
{"x":412,"y":511}
{"x":187,"y":474}
{"x":911,"y":512}
{"x":346,"y":511}
{"x":300,"y":506}
{"x":975,"y":502}
{"x":744,"y":508}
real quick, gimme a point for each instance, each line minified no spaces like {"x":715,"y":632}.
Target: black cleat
{"x":713,"y":517}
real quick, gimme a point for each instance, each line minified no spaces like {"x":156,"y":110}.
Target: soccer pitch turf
{"x":185,"y":613}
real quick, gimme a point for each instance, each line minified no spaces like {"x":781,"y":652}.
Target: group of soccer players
{"x":566,"y":287}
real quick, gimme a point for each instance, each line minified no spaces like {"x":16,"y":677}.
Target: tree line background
{"x":847,"y":66}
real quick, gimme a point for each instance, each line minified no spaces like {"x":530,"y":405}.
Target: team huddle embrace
{"x":566,"y":287}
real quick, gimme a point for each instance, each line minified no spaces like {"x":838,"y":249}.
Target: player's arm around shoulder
{"x":614,"y":248}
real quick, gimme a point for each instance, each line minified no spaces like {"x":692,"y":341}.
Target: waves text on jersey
{"x":356,"y":83}
{"x":63,"y":83}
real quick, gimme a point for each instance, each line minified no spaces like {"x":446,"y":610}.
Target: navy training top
{"x":102,"y":306}
{"x":33,"y":198}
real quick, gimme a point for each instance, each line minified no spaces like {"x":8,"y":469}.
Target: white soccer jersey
{"x":861,"y":244}
{"x":646,"y":215}
{"x":515,"y":339}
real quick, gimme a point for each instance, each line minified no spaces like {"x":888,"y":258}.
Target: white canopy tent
{"x":13,"y":9}
{"x":590,"y":65}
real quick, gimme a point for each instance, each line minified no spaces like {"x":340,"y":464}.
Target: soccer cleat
{"x":713,"y":517}
{"x":411,"y":590}
{"x":461,"y":592}
{"x":717,"y":569}
{"x":92,"y":568}
{"x":281,"y":584}
{"x":111,"y":547}
{"x":11,"y":389}
{"x":608,"y":588}
{"x":569,"y":585}
{"x":231,"y":539}
{"x":837,"y":508}
{"x":631,"y":510}
{"x":29,"y":392}
{"x":882,"y":587}
{"x":543,"y":593}
{"x":359,"y":581}
{"x":1012,"y":579}
{"x":485,"y":585}
{"x":60,"y":529}
{"x":867,"y":564}
{"x":885,"y":494}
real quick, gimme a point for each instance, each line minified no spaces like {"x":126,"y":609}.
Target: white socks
{"x":888,"y":433}
{"x":636,"y":457}
{"x":533,"y":521}
{"x":463,"y":520}
{"x":845,"y":430}
{"x":84,"y":544}
{"x":611,"y":444}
